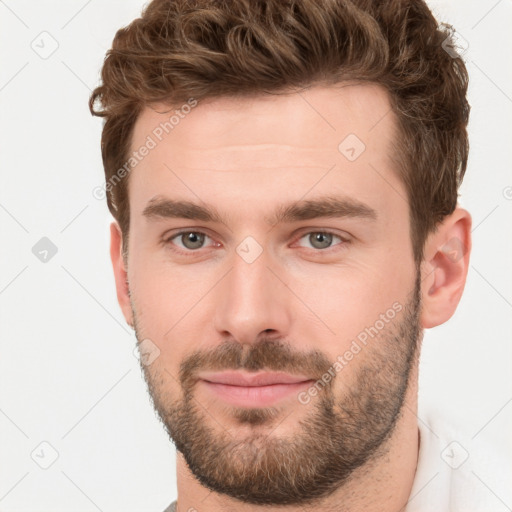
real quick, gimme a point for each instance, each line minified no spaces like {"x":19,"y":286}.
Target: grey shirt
{"x":171,"y":507}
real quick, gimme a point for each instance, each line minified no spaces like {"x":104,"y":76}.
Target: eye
{"x":190,"y":240}
{"x":322,"y":239}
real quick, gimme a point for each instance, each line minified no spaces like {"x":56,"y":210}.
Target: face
{"x":269,"y":238}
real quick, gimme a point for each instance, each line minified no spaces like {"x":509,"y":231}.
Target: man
{"x":283,"y":177}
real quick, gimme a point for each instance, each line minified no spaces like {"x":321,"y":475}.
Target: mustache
{"x":266,"y":354}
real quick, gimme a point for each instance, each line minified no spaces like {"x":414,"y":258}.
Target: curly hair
{"x":183,"y":49}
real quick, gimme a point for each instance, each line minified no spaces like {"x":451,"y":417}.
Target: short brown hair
{"x":182,"y":49}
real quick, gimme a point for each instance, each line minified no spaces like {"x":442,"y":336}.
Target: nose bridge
{"x":251,"y":298}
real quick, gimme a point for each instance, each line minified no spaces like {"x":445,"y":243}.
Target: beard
{"x":344,"y":430}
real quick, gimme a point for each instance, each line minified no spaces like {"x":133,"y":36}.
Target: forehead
{"x":302,"y":120}
{"x":263,"y":143}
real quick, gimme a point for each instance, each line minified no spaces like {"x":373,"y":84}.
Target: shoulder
{"x":457,"y":470}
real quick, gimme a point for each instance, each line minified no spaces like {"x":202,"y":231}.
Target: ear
{"x":445,"y":268}
{"x":120,"y":271}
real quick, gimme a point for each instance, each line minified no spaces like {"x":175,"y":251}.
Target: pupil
{"x":323,"y":238}
{"x":193,"y":240}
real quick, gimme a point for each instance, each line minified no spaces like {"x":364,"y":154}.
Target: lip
{"x":234,"y":378}
{"x":253,"y":390}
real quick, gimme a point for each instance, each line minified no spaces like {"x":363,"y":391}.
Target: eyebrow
{"x":327,"y":206}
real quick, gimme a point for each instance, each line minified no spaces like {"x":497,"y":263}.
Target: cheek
{"x":170,"y":303}
{"x":341,"y":302}
{"x":157,"y":299}
{"x":354,"y":313}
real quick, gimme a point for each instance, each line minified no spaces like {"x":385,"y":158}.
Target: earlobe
{"x":120,"y":271}
{"x":445,"y":268}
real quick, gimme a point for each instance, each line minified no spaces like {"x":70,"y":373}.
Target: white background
{"x":68,"y":375}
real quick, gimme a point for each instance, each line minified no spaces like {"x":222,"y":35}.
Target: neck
{"x":382,"y":485}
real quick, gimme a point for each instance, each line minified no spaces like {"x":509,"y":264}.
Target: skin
{"x":245,"y":157}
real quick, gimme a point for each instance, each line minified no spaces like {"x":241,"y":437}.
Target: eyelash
{"x":344,"y":241}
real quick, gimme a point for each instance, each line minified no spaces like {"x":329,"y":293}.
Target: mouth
{"x":253,"y":390}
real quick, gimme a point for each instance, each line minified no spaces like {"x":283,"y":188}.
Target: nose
{"x":252,"y":299}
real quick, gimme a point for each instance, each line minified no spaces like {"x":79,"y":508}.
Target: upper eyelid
{"x":329,"y":231}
